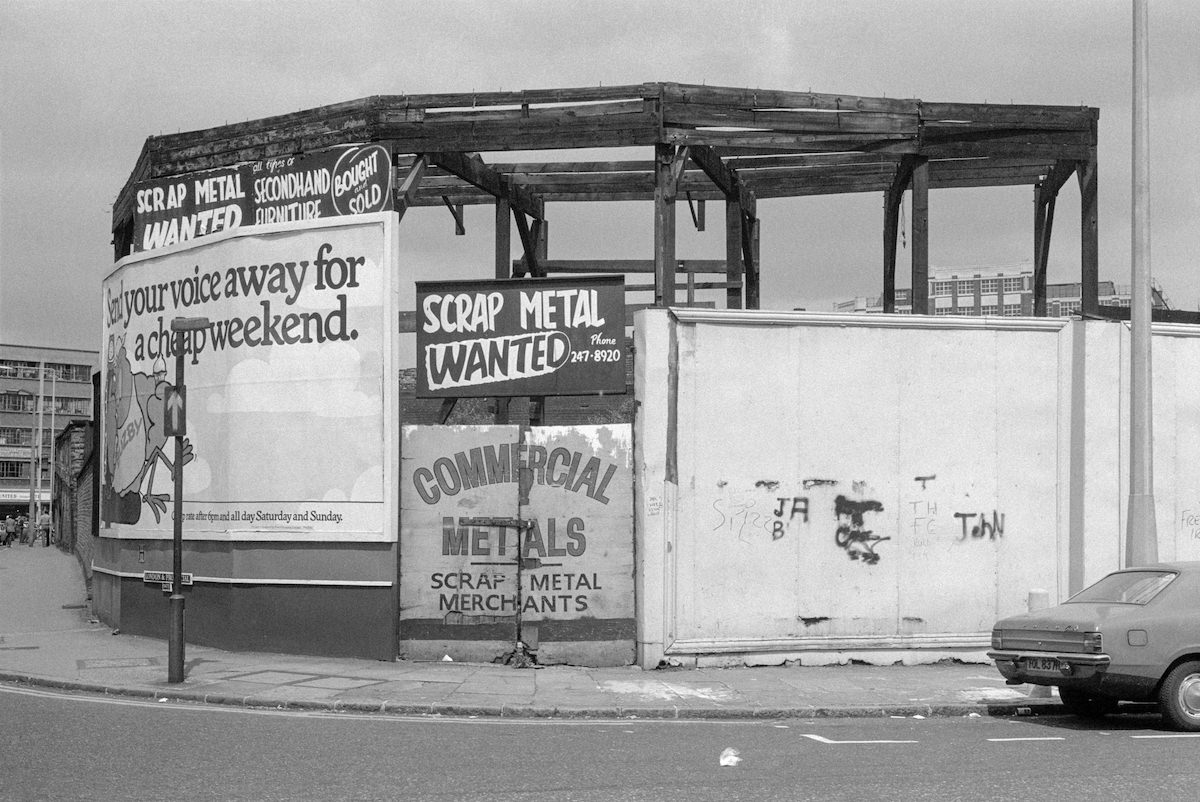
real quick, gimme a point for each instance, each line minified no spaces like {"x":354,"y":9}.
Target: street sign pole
{"x":175,"y":421}
{"x":175,"y":644}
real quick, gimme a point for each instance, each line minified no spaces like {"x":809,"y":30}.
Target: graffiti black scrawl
{"x":858,"y":542}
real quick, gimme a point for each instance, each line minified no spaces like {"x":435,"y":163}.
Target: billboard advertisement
{"x":501,"y":525}
{"x":521,"y":337}
{"x":353,"y":179}
{"x":288,"y":405}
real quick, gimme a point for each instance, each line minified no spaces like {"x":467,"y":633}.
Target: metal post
{"x":53,"y":466}
{"x":33,"y":462}
{"x":175,"y":646}
{"x":1141,"y":534}
{"x":35,"y":500}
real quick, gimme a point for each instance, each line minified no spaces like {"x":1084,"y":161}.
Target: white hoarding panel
{"x":289,"y":403}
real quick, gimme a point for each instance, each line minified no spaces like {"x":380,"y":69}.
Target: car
{"x":1133,"y":636}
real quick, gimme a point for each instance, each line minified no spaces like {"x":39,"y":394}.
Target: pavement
{"x":50,"y":638}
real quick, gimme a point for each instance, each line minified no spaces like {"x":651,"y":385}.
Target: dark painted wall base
{"x":315,"y":620}
{"x":306,"y":610}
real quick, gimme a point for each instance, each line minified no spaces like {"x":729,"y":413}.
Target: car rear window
{"x":1127,"y":587}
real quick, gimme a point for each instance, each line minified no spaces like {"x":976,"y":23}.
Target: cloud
{"x":366,"y":487}
{"x":324,"y":381}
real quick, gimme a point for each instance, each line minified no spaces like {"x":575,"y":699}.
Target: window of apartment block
{"x":989,"y":309}
{"x":11,"y":470}
{"x":16,"y":402}
{"x":10,"y":436}
{"x":69,"y":406}
{"x":989,"y":285}
{"x":1014,"y":284}
{"x":21,"y":369}
{"x":966,"y":287}
{"x":1012,"y":310}
{"x":944,"y":310}
{"x":943,"y":287}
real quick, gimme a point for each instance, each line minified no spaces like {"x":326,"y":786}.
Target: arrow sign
{"x":175,"y":412}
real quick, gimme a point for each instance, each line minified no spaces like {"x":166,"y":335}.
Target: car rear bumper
{"x":1072,"y":667}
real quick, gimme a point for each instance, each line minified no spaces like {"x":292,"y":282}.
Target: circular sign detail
{"x":362,"y":180}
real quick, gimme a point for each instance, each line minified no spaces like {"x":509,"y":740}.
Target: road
{"x":65,"y":746}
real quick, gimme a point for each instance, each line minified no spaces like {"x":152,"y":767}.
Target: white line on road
{"x":819,"y":739}
{"x":1172,"y":735}
{"x":1005,"y":740}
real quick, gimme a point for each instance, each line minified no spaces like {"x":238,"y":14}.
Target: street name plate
{"x":164,"y":577}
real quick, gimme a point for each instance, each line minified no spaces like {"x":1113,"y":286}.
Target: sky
{"x":83,"y":84}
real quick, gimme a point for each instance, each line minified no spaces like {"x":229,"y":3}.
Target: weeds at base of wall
{"x":817,"y":659}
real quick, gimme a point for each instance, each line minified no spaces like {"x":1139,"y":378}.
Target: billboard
{"x":521,"y":337}
{"x":289,"y":406}
{"x":353,"y":179}
{"x":502,"y":525}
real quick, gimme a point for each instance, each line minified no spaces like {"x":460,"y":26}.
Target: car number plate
{"x":1041,"y":664}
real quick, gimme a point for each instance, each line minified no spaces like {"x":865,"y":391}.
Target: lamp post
{"x":35,"y":465}
{"x":175,"y":421}
{"x":33,"y":455}
{"x":53,"y":464}
{"x":1141,"y":530}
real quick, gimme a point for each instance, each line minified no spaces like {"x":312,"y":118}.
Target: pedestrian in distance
{"x":22,"y":528}
{"x":43,"y":530}
{"x":10,"y":530}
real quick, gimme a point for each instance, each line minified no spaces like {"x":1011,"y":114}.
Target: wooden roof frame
{"x":708,"y":144}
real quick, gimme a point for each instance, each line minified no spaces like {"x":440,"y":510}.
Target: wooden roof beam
{"x":406,"y":189}
{"x":723,"y":176}
{"x":1058,"y":176}
{"x":903,"y":177}
{"x":472,"y":169}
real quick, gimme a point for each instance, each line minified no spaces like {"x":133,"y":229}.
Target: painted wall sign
{"x":521,"y":337}
{"x":355,"y":179}
{"x":499,"y":526}
{"x":23,"y":495}
{"x":286,"y":423}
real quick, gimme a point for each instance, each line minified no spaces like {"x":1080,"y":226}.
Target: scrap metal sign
{"x":354,"y":179}
{"x":521,"y":337}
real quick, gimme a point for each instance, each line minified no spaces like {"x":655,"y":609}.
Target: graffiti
{"x":924,"y":522}
{"x":809,"y":484}
{"x":799,"y":506}
{"x":738,"y":515}
{"x":924,"y":479}
{"x":924,"y":517}
{"x":985,"y":529}
{"x":767,"y":484}
{"x":816,"y":619}
{"x":858,"y":542}
{"x":1190,"y":520}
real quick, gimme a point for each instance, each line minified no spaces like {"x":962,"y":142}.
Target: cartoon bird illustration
{"x":134,"y":437}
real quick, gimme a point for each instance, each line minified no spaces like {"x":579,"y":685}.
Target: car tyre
{"x":1086,"y":705}
{"x":1179,"y":696}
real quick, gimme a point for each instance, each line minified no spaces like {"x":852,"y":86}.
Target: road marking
{"x":819,"y":739}
{"x":1005,"y":740}
{"x":1172,"y":735}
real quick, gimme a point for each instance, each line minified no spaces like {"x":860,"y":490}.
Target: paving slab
{"x":48,"y":637}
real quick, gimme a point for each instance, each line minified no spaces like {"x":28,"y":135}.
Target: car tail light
{"x":1093,"y":642}
{"x":997,"y":641}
